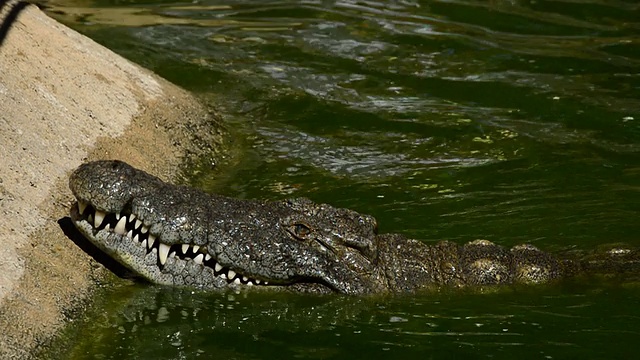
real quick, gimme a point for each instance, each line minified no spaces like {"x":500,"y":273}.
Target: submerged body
{"x":180,"y":236}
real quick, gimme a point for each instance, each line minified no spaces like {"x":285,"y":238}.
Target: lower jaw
{"x":175,"y":272}
{"x":142,"y":257}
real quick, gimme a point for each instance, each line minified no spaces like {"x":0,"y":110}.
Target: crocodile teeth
{"x":81,"y":206}
{"x":152,"y":240}
{"x":133,"y":228}
{"x":98,"y":218}
{"x":120,"y":226}
{"x":163,"y":252}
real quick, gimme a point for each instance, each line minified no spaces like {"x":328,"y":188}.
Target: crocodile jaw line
{"x":127,"y":239}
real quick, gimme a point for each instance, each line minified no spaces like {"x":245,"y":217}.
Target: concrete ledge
{"x":65,"y":99}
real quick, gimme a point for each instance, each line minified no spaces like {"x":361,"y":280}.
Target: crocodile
{"x":181,"y":236}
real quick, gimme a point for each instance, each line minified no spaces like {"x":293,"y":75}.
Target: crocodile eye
{"x":299,"y":230}
{"x":302,"y":230}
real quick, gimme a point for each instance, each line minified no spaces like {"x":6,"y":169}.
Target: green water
{"x":514,"y":121}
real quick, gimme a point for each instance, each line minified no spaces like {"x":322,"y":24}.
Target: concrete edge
{"x":65,"y":99}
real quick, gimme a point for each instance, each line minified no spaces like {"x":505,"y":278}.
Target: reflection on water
{"x":515,"y":121}
{"x":152,"y":322}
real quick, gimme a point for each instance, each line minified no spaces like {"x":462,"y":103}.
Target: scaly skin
{"x":180,"y":236}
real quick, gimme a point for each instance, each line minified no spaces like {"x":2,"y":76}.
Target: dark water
{"x":514,"y":121}
{"x":557,"y":323}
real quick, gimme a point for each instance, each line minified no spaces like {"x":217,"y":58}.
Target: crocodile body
{"x":181,"y":236}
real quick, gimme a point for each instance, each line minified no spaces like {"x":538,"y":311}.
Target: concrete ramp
{"x":65,"y":99}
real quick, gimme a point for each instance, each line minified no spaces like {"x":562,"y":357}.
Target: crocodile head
{"x":176,"y":235}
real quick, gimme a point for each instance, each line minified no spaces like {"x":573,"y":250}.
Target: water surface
{"x":513,"y":121}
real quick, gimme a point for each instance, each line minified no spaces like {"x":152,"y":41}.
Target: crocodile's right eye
{"x":299,"y":230}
